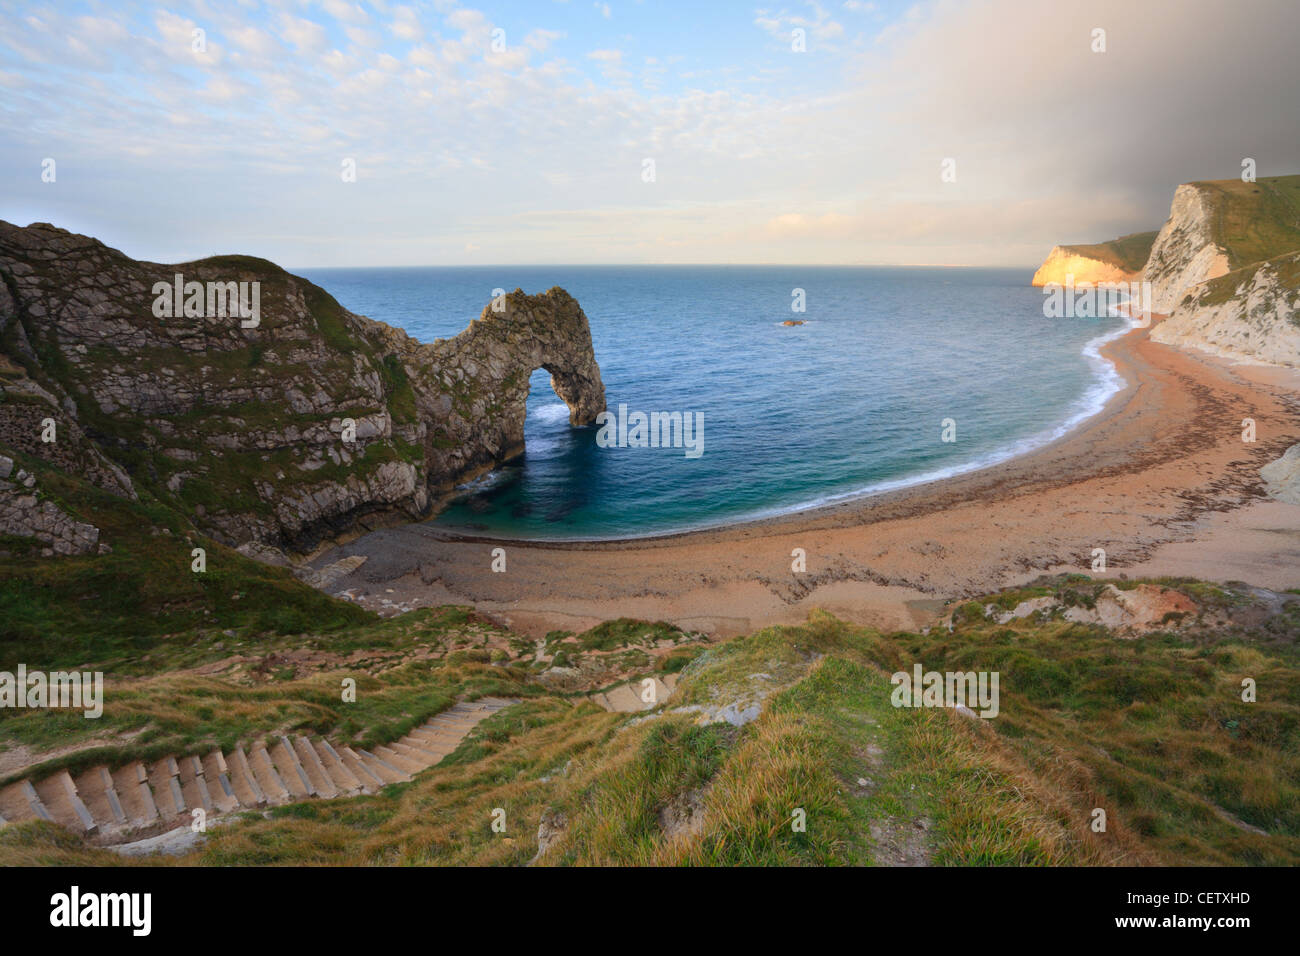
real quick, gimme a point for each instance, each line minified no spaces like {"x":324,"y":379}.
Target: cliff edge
{"x":250,"y":399}
{"x":1223,"y":268}
{"x":1118,"y":260}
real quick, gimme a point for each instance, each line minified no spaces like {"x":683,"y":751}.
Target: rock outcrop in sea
{"x":285,"y":429}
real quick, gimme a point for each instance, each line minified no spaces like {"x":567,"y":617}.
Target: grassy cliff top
{"x":1252,"y":221}
{"x":1127,"y":252}
{"x":1255,"y":221}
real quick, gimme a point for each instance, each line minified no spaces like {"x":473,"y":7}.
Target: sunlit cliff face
{"x":1061,"y":264}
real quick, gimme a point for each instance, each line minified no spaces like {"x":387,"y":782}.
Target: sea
{"x":897,"y":376}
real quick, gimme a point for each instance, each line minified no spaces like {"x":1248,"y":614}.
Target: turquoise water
{"x":851,"y":402}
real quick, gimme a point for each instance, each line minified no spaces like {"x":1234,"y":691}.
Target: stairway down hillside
{"x":106,"y":802}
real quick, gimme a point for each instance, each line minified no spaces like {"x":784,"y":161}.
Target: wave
{"x":555,"y":413}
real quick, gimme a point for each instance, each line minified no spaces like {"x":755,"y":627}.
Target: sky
{"x":572,"y":131}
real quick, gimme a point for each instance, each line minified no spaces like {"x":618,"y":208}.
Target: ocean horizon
{"x":898,"y":376}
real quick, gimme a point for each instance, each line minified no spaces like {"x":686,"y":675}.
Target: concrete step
{"x":343,"y":778}
{"x":437,"y":738}
{"x":164,"y":780}
{"x":439,"y":748}
{"x":316,"y":773}
{"x":78,"y":805}
{"x":220,"y":786}
{"x":436,"y":753}
{"x":434,"y":731}
{"x":19,"y":801}
{"x":398,"y":760}
{"x":459,"y":710}
{"x":425,"y":758}
{"x":194,"y":784}
{"x":14,"y":805}
{"x":438,"y":743}
{"x":382,"y":769}
{"x":268,"y":778}
{"x":290,"y":770}
{"x":115,"y":806}
{"x":132,"y":784}
{"x":452,"y":721}
{"x":445,"y":733}
{"x":34,"y":801}
{"x":58,"y":798}
{"x":370,"y":780}
{"x":448,"y":730}
{"x":99,"y":794}
{"x":247,"y":790}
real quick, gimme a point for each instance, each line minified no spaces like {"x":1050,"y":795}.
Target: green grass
{"x":1152,"y":730}
{"x":1129,"y":253}
{"x":1255,"y":221}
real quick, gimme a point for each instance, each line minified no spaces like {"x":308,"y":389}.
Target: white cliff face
{"x":1259,"y":322}
{"x":1063,"y":266}
{"x":1184,"y":253}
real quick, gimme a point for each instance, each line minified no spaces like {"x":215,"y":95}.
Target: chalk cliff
{"x":1224,"y":268}
{"x":1118,"y":260}
{"x":286,"y":433}
{"x":1251,"y":313}
{"x":1187,"y":250}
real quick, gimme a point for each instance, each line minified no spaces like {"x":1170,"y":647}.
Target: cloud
{"x":344,"y":12}
{"x":406,"y":24}
{"x":305,"y":35}
{"x":820,"y":25}
{"x":255,"y":41}
{"x":532,"y":156}
{"x":541,"y":40}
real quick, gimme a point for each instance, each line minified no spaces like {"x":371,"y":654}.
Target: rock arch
{"x":296,"y":429}
{"x":476,"y":403}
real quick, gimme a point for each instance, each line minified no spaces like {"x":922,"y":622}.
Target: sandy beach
{"x":1161,"y":479}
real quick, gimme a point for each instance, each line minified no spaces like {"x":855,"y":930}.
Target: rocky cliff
{"x":1187,"y":250}
{"x":1223,"y":268}
{"x":1118,"y":260}
{"x":1251,"y":313}
{"x":283,"y":424}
